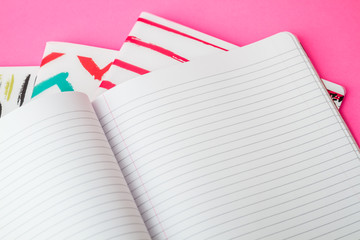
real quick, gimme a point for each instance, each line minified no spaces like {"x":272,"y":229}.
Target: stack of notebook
{"x":152,"y":44}
{"x":236,"y":142}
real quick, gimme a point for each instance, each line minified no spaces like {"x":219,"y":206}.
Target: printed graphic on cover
{"x":73,"y":67}
{"x":16,"y":86}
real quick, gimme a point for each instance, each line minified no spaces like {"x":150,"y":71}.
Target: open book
{"x":176,"y":154}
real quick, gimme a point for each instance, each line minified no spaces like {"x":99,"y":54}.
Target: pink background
{"x":328,"y":29}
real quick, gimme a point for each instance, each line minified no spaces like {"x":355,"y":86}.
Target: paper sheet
{"x":203,"y":164}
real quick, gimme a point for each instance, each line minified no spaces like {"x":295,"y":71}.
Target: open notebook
{"x":186,"y":158}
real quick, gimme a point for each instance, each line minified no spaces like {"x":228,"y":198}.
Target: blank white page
{"x":201,"y":164}
{"x":58,"y":176}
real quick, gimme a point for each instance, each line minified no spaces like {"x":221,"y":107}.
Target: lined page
{"x":58,"y":176}
{"x":201,"y":164}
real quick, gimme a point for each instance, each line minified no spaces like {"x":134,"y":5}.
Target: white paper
{"x":58,"y":175}
{"x":202,"y":164}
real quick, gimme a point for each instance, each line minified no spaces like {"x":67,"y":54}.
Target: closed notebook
{"x":177,"y":154}
{"x":16,"y":86}
{"x":155,"y":42}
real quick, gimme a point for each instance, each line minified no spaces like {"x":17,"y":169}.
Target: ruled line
{"x":34,"y":140}
{"x":261,"y":192}
{"x":251,"y":195}
{"x":210,"y":139}
{"x":285,"y":211}
{"x":219,"y":112}
{"x":3,"y":145}
{"x":190,"y":81}
{"x":47,"y":171}
{"x":215,"y":90}
{"x":55,"y":204}
{"x":223,"y":143}
{"x":149,"y":180}
{"x":308,"y":194}
{"x":217,"y":121}
{"x":83,"y":210}
{"x":42,"y":121}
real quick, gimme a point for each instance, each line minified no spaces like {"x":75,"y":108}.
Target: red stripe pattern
{"x":52,"y":56}
{"x":177,"y":32}
{"x":156,"y":48}
{"x":130,"y":67}
{"x":106,"y":84}
{"x":93,"y":68}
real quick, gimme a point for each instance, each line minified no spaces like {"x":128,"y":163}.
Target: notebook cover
{"x":155,"y":42}
{"x":73,"y":67}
